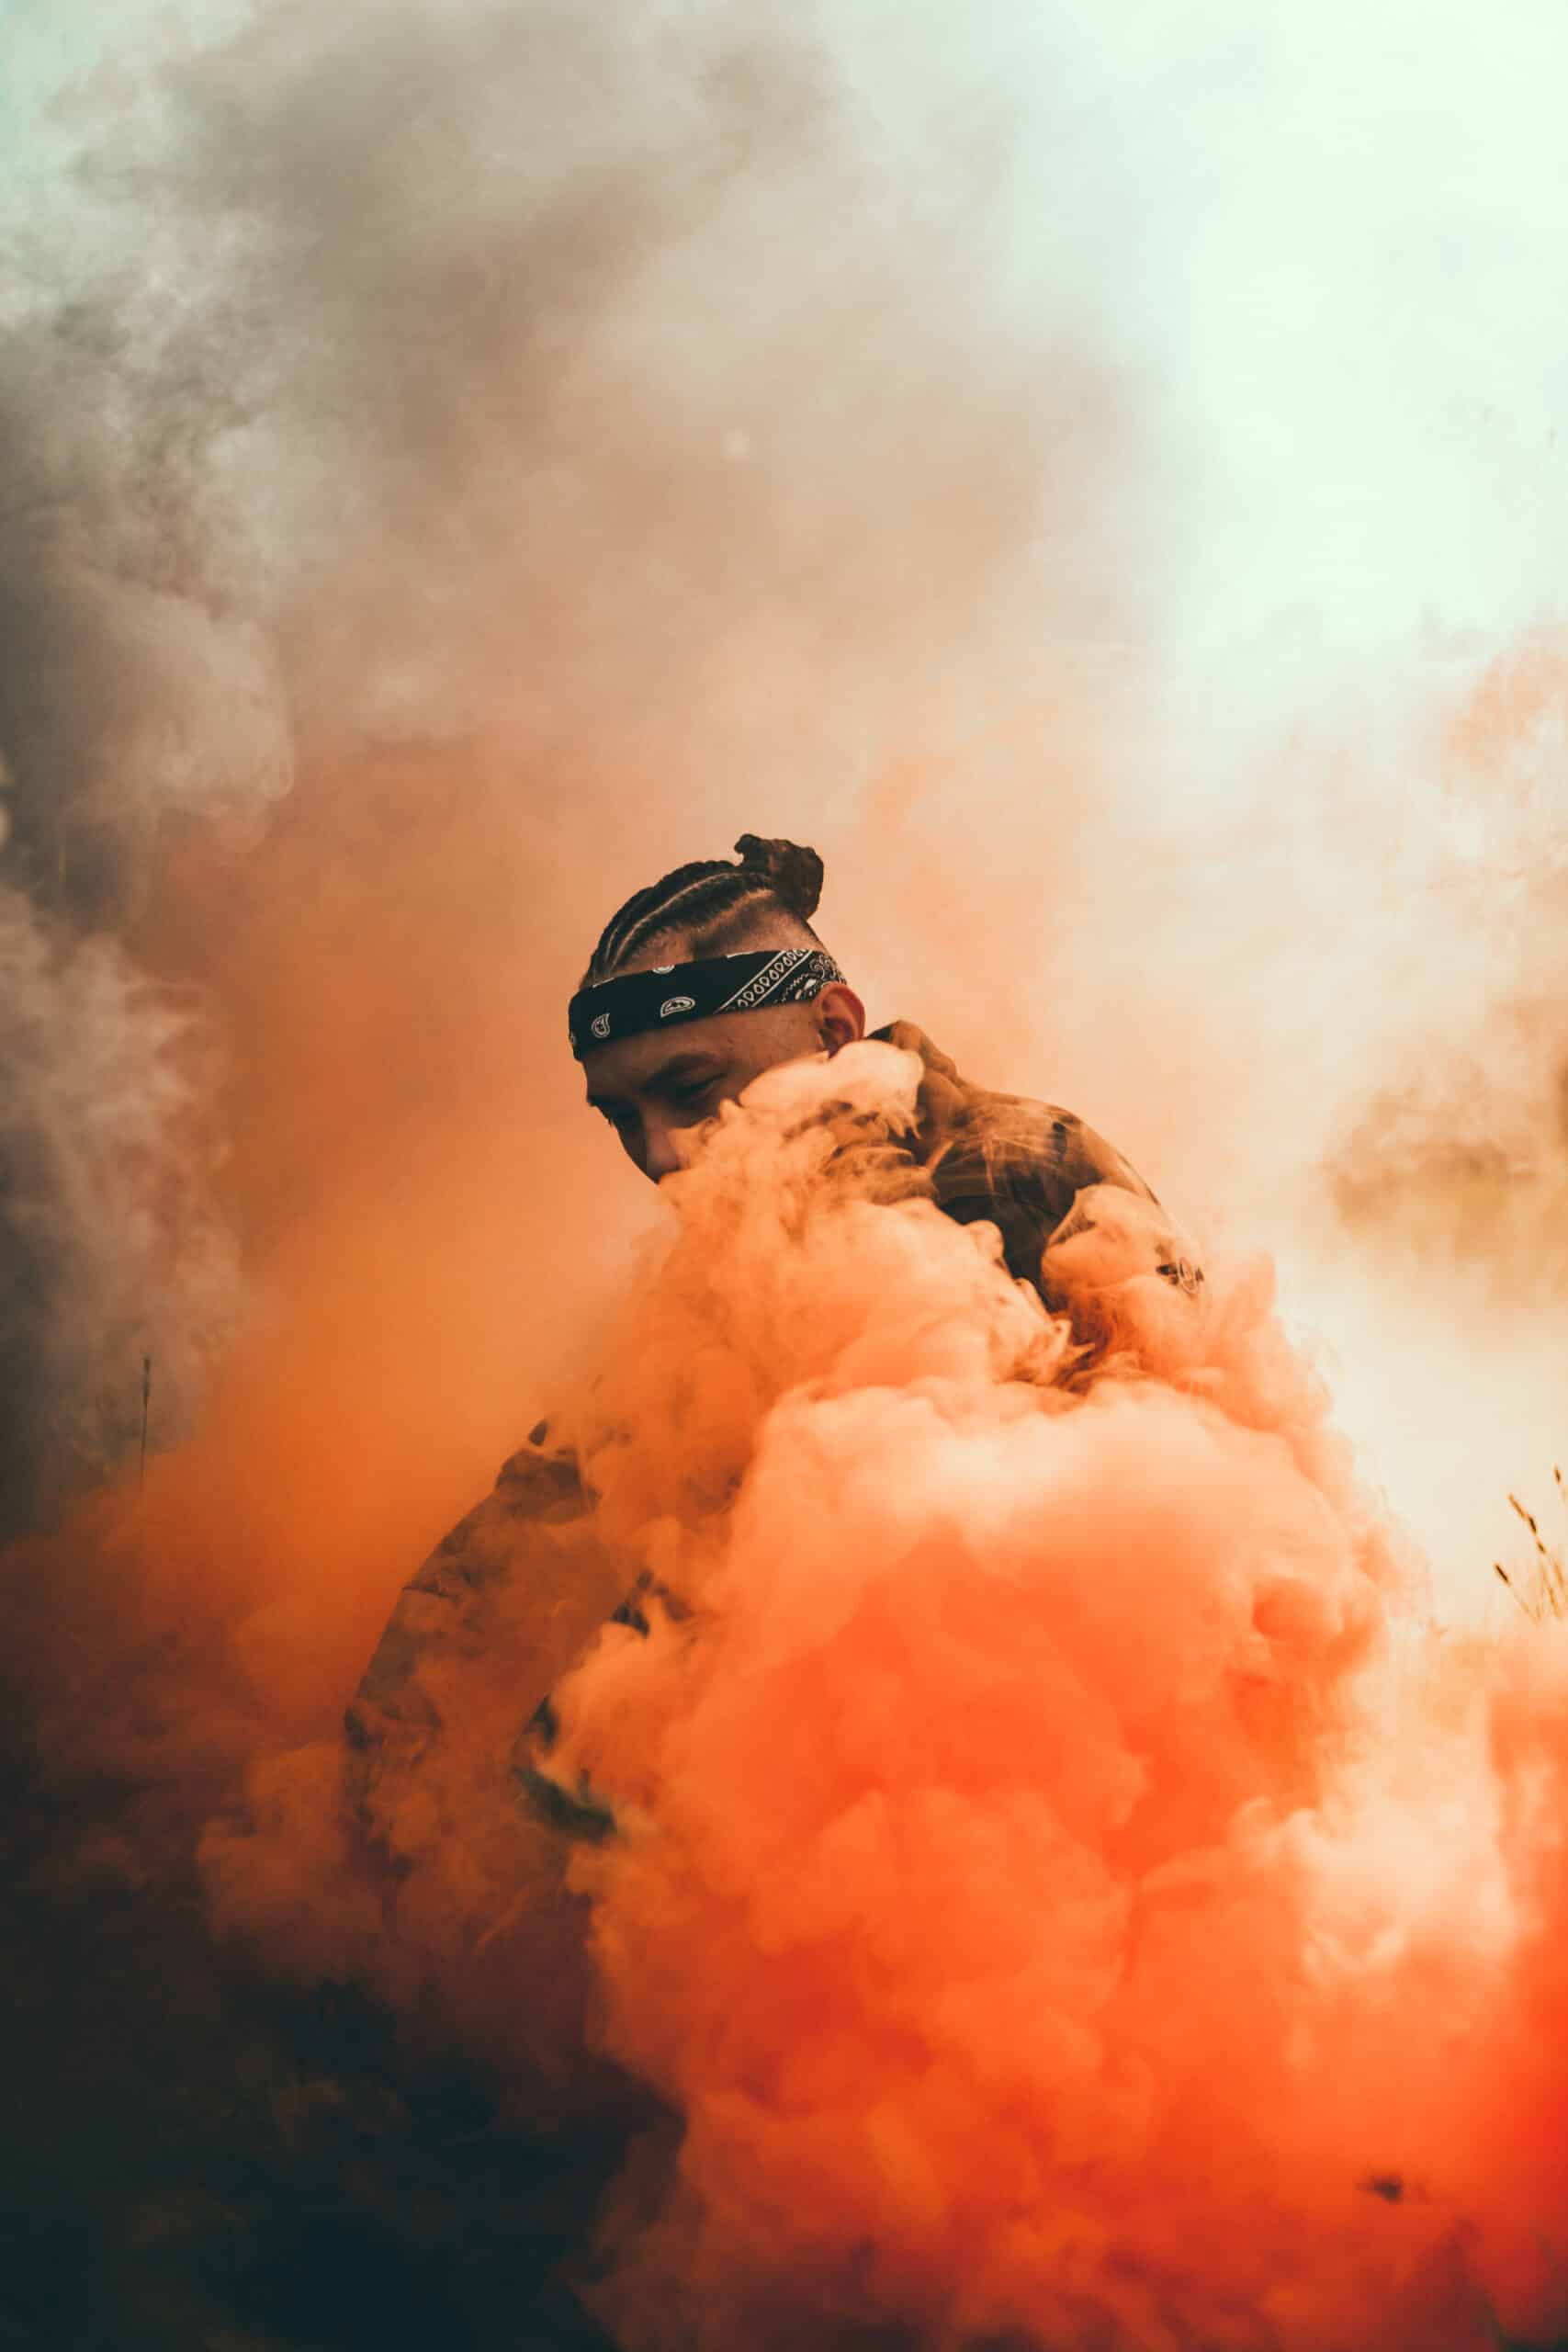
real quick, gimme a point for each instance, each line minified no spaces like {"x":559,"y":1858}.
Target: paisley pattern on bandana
{"x":671,"y":993}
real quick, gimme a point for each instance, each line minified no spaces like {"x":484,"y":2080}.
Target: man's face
{"x":654,"y":1089}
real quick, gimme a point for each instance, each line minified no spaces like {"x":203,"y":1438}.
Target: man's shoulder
{"x":977,"y":1141}
{"x":1076,"y":1217}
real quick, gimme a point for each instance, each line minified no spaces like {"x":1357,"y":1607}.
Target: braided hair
{"x":713,"y":904}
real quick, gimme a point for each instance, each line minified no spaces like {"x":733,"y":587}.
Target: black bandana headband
{"x":672,"y":993}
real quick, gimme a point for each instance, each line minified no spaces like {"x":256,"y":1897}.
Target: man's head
{"x":656,"y":1060}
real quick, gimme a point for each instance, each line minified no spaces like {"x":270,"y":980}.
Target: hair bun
{"x":794,"y":875}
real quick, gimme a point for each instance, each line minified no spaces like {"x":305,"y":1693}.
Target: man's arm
{"x":475,"y":1639}
{"x":1077,"y":1220}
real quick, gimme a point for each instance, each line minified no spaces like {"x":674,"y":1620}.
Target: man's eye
{"x":687,"y":1097}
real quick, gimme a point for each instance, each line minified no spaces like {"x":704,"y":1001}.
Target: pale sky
{"x":1332,"y":241}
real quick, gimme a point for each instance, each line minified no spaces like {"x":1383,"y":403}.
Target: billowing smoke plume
{"x":1046,"y":1928}
{"x":460,"y":460}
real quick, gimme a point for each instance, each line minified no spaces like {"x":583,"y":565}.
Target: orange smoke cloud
{"x":1024,"y":1895}
{"x":192,"y":1641}
{"x":1031,"y":1911}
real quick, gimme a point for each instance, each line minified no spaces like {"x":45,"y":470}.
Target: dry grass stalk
{"x":1546,"y":1596}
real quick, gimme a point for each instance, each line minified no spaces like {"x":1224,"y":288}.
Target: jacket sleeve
{"x":474,"y":1641}
{"x":1126,"y":1277}
{"x":1077,"y":1220}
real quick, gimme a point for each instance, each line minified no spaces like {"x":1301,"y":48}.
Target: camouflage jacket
{"x":1026,"y":1168}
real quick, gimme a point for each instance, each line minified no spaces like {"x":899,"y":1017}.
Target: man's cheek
{"x":689,"y":1140}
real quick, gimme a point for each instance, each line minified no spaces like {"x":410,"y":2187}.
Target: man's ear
{"x":840,"y":1015}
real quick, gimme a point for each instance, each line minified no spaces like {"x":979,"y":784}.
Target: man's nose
{"x":661,"y":1150}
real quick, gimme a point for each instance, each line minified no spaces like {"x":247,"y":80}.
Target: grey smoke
{"x":129,"y":700}
{"x":110,"y":1252}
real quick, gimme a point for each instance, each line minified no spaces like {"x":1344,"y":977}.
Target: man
{"x":713,"y":975}
{"x":697,"y":985}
